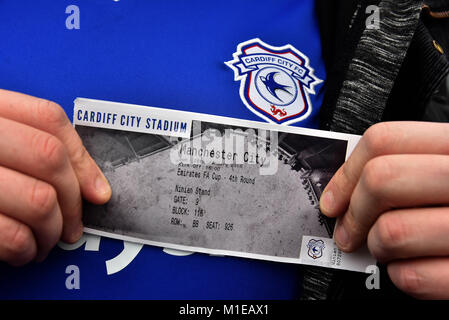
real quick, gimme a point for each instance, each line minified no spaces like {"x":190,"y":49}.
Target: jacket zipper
{"x":433,"y":14}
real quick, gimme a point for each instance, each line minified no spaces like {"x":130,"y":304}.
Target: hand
{"x":44,"y":171}
{"x":393,"y":192}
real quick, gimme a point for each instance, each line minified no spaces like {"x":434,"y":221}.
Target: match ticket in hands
{"x":215,"y":185}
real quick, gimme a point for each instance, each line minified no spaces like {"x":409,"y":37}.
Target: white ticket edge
{"x":331,"y":256}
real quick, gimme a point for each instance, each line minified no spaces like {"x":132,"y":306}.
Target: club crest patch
{"x":275,"y":82}
{"x":315,"y":248}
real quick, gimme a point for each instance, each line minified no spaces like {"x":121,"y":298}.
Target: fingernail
{"x":73,"y":235}
{"x":102,"y":186}
{"x":327,"y":202}
{"x":342,"y":236}
{"x":79,"y":232}
{"x":41,"y":257}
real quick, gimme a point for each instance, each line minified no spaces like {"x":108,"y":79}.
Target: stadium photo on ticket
{"x":215,"y":185}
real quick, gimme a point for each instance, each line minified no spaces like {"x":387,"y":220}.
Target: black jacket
{"x":395,"y":73}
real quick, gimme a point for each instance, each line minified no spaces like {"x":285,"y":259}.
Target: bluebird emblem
{"x":272,"y":85}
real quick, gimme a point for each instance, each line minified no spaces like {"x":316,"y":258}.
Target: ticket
{"x":215,"y":185}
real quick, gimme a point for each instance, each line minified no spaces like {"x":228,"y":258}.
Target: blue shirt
{"x":167,"y":54}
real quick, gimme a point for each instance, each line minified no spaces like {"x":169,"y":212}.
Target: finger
{"x":390,"y":182}
{"x":50,"y":117}
{"x":410,"y":233}
{"x":382,"y":139}
{"x":33,"y":203}
{"x":17,"y":244}
{"x":39,"y":154}
{"x":425,"y":278}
